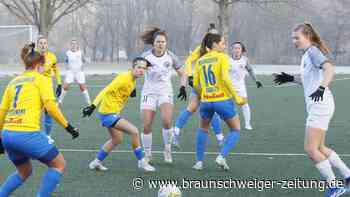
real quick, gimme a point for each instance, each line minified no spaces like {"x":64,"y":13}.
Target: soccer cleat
{"x":145,"y":166}
{"x":167,"y":155}
{"x":97,"y":165}
{"x":148,"y":156}
{"x":248,"y":127}
{"x":336,"y":191}
{"x":221,"y":162}
{"x":198,"y":166}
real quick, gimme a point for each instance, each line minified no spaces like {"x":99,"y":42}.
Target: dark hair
{"x":30,"y":57}
{"x":40,"y":37}
{"x":308,"y":30}
{"x":212,"y":29}
{"x":137,"y":59}
{"x":151,"y":34}
{"x":208,"y":42}
{"x":244,"y":50}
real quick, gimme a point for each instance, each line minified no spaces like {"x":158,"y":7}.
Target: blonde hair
{"x":309,"y":31}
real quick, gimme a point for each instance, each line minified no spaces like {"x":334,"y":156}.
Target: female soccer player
{"x":316,"y":75}
{"x":239,"y":67}
{"x":217,"y":94}
{"x":157,"y":90}
{"x":194,"y":101}
{"x":50,"y":70}
{"x":20,"y":112}
{"x":74,"y":72}
{"x":111,"y":101}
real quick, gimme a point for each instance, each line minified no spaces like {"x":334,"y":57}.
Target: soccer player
{"x":194,"y":101}
{"x":20,"y":114}
{"x":111,"y":101}
{"x":157,"y":90}
{"x":74,"y":72}
{"x":239,"y":68}
{"x":50,"y":70}
{"x":217,"y":95}
{"x":317,"y":73}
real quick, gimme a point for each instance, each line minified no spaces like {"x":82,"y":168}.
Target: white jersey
{"x":158,"y":76}
{"x":238,"y":71}
{"x":74,"y":60}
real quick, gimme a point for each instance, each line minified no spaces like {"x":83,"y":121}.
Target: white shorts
{"x":78,"y":77}
{"x":241,"y":91}
{"x":152,"y":101}
{"x":320,"y":114}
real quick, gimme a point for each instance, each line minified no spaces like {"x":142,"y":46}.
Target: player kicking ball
{"x":111,"y":101}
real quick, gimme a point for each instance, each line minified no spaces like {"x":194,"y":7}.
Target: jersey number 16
{"x":209,"y":75}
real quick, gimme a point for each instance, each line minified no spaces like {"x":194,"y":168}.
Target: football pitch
{"x":273,"y":151}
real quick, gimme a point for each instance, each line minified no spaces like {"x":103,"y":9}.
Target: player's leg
{"x":148,"y":108}
{"x":69,"y":79}
{"x":16,"y":179}
{"x":166,"y":110}
{"x":126,"y":126}
{"x":80,"y":78}
{"x":242,"y":92}
{"x":216,"y":126}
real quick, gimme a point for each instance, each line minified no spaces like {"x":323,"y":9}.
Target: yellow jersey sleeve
{"x":51,"y":68}
{"x":196,"y":79}
{"x":114,"y":84}
{"x":193,"y":57}
{"x":3,"y":108}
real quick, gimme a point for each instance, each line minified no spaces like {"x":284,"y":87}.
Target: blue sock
{"x":47,"y":123}
{"x":49,"y":183}
{"x":201,"y":143}
{"x":230,"y":141}
{"x":11,"y":184}
{"x":101,"y":155}
{"x":182,"y":119}
{"x":139,"y":153}
{"x":216,"y":124}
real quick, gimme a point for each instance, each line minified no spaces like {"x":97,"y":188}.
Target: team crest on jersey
{"x":166,"y":64}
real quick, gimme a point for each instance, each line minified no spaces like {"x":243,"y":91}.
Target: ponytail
{"x":30,"y":57}
{"x":208,"y":42}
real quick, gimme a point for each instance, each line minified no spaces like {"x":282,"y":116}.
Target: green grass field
{"x":278,"y":119}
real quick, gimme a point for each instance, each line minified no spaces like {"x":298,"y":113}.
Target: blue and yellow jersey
{"x":51,"y":68}
{"x":191,"y":59}
{"x":211,"y":78}
{"x":23,"y":101}
{"x":113,"y":98}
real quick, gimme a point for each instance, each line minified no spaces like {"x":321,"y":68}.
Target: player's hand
{"x":2,"y":149}
{"x":259,"y":84}
{"x":318,"y":94}
{"x":73,"y":131}
{"x":182,"y":94}
{"x":190,"y":81}
{"x":87,"y":111}
{"x":133,"y":93}
{"x":58,"y":90}
{"x":283,"y":78}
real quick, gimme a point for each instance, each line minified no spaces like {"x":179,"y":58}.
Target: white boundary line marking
{"x":192,"y":153}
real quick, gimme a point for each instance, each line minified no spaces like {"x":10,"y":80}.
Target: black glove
{"x":133,"y":93}
{"x":73,"y":131}
{"x":58,"y":90}
{"x":318,"y":94}
{"x":87,"y":111}
{"x":259,"y":84}
{"x":2,"y":149}
{"x":283,"y":78}
{"x":183,"y":94}
{"x":190,"y":81}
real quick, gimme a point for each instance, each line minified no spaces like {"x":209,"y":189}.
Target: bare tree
{"x":44,"y":14}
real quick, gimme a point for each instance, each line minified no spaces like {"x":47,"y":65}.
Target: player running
{"x":111,"y":101}
{"x":50,"y":70}
{"x":157,"y":90}
{"x":217,"y":95}
{"x":317,"y":73}
{"x":239,"y":68}
{"x":74,"y":72}
{"x":194,"y":101}
{"x":20,"y":114}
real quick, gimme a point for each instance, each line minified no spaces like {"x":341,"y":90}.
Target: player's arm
{"x":283,"y":77}
{"x":196,"y":83}
{"x":183,"y":77}
{"x":4,"y":106}
{"x":193,"y":57}
{"x":251,"y":72}
{"x":228,"y":83}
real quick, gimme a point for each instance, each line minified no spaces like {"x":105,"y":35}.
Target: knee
{"x":147,"y":128}
{"x":82,"y":88}
{"x":66,"y":88}
{"x":167,"y":124}
{"x":26,"y":173}
{"x":311,"y":151}
{"x":192,"y":107}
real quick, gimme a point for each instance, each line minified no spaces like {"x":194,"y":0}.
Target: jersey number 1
{"x":18,"y":90}
{"x":209,"y":75}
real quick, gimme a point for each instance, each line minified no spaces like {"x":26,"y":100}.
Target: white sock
{"x":167,"y":136}
{"x":87,"y":97}
{"x":147,"y":143}
{"x":220,"y":137}
{"x":326,"y":171}
{"x":336,"y":162}
{"x":177,"y":131}
{"x":63,"y":94}
{"x":246,"y":113}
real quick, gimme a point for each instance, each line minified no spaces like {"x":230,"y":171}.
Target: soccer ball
{"x":169,"y":191}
